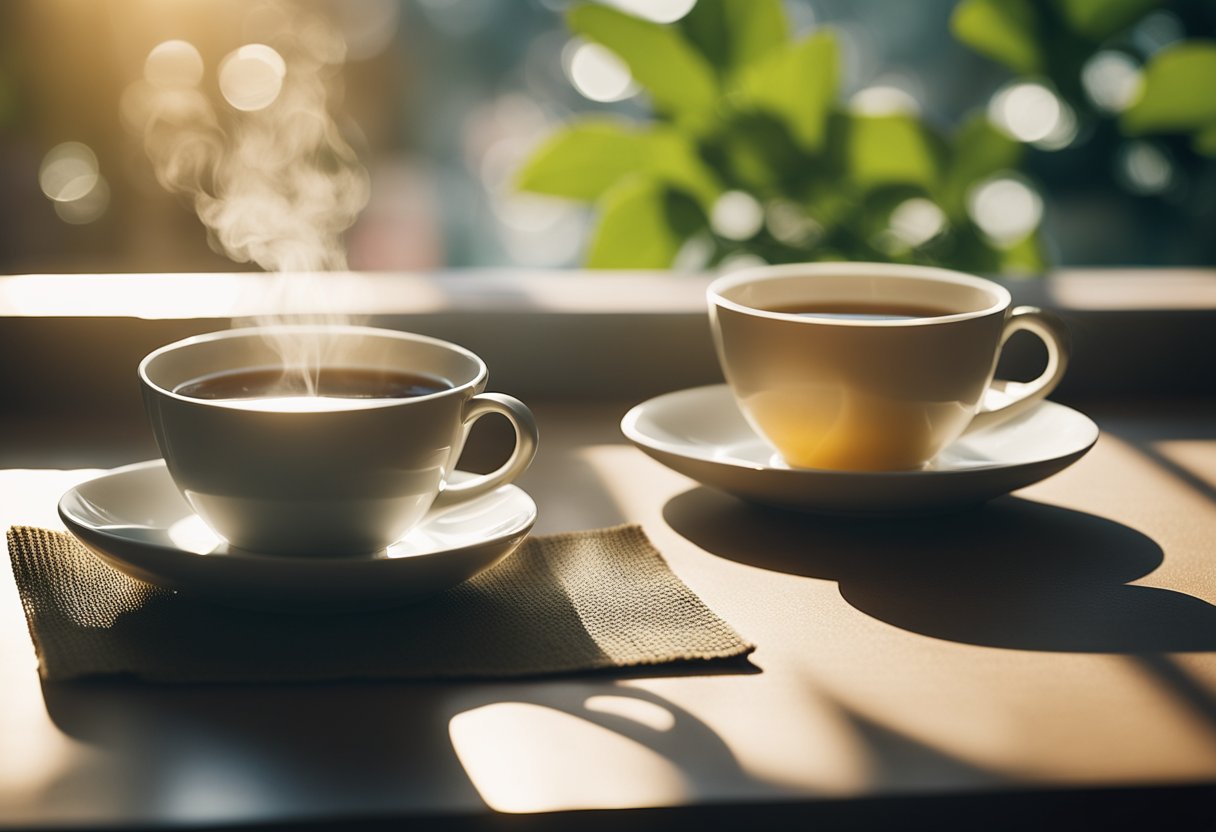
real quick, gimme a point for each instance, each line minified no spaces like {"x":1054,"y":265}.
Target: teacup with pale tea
{"x":871,"y":366}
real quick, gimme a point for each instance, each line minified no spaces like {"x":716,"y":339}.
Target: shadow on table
{"x":379,"y":756}
{"x":232,"y":753}
{"x":1195,"y":422}
{"x":1013,"y":573}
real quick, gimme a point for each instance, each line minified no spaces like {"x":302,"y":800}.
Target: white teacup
{"x":871,"y":392}
{"x":347,"y":476}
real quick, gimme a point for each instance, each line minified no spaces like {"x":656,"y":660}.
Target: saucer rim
{"x":646,"y":443}
{"x":233,"y":554}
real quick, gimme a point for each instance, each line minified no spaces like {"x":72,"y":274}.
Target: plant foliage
{"x":741,"y":105}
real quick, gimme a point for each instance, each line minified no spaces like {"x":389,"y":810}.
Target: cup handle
{"x":1023,"y":395}
{"x":526,"y":438}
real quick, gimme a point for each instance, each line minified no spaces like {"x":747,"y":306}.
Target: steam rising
{"x":271,"y":177}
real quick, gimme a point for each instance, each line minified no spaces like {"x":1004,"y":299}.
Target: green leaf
{"x":672,"y":157}
{"x":734,"y":33}
{"x":891,"y":150}
{"x":757,"y":151}
{"x":980,"y":150}
{"x":584,"y":159}
{"x":1178,"y":92}
{"x":834,"y":207}
{"x":642,"y":225}
{"x":680,"y":81}
{"x":1097,"y":20}
{"x":1205,"y":141}
{"x":796,"y":83}
{"x":1004,"y":30}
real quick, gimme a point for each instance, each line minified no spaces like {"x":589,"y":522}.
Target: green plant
{"x":741,"y":109}
{"x":1054,"y":39}
{"x":748,"y":119}
{"x":1134,"y":82}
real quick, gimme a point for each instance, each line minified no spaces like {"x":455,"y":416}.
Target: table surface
{"x":1063,"y":637}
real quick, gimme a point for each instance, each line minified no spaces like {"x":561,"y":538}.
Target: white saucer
{"x":134,"y":519}
{"x":701,"y":433}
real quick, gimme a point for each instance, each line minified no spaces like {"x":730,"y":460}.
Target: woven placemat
{"x":563,"y":603}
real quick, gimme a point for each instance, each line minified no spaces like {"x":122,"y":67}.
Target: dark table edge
{"x":1174,"y":806}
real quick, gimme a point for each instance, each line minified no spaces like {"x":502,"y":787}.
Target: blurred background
{"x":998,"y":135}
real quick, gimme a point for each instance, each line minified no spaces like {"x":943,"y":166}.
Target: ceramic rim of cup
{"x":329,"y":329}
{"x":716,"y":296}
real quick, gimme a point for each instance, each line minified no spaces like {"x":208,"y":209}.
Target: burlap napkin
{"x":570,"y":602}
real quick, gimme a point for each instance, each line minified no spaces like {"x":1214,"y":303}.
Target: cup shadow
{"x":1013,"y":573}
{"x":347,"y":749}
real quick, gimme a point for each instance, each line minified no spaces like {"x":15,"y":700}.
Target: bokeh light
{"x":89,"y":208}
{"x":252,"y":77}
{"x":736,"y":216}
{"x":739,"y":261}
{"x":916,"y":221}
{"x":1063,"y":133}
{"x":1005,"y":208}
{"x":538,"y":230}
{"x":884,"y":100}
{"x":695,"y":254}
{"x":71,"y":178}
{"x":1111,"y":80}
{"x":1027,"y":111}
{"x":69,"y":172}
{"x":1144,"y":168}
{"x":597,"y":73}
{"x":174,"y":63}
{"x":530,"y":212}
{"x":531,"y":229}
{"x":658,"y":11}
{"x":789,"y":224}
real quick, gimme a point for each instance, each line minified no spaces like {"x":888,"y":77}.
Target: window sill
{"x":73,"y":341}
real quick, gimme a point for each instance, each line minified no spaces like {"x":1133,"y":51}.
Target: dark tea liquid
{"x":332,"y":382}
{"x":862,"y":311}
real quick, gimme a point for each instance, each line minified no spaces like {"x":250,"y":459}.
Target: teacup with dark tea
{"x":338,"y":454}
{"x":327,"y":388}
